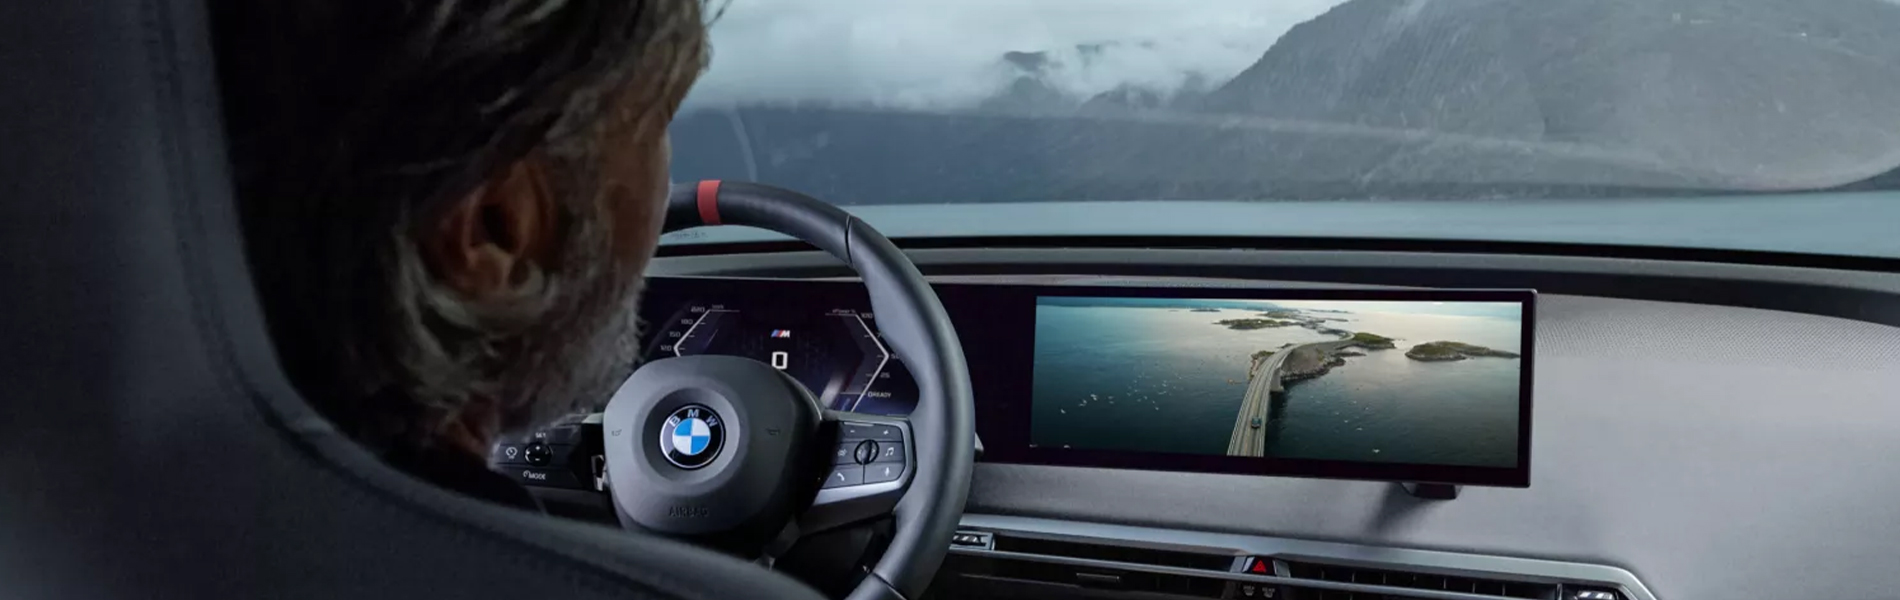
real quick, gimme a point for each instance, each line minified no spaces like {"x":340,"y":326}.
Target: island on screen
{"x":1399,"y":382}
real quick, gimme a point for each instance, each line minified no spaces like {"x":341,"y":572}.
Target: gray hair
{"x":352,"y":122}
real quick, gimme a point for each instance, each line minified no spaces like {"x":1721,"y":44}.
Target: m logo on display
{"x":692,"y":436}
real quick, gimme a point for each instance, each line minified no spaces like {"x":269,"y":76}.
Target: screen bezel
{"x":995,"y":323}
{"x":1004,"y":421}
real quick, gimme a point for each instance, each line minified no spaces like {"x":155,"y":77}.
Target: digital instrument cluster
{"x":832,"y":348}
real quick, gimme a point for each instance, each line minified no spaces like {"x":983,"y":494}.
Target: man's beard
{"x":585,"y":345}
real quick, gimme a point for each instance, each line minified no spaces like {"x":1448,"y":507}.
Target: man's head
{"x":447,"y":204}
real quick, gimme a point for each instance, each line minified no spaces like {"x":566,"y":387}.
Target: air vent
{"x":987,"y":573}
{"x":1128,"y":554}
{"x":1487,"y":585}
{"x":1020,"y":566}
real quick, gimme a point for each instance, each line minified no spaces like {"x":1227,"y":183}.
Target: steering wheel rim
{"x":914,"y":325}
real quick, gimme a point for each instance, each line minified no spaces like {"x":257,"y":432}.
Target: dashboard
{"x":1701,"y":429}
{"x":1708,"y":426}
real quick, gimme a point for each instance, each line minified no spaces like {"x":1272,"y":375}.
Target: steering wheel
{"x":731,"y":453}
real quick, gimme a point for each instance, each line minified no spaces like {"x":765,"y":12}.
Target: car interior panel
{"x":1028,"y":331}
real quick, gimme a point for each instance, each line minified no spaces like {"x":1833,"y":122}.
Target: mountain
{"x":1387,"y":99}
{"x":1028,"y":95}
{"x":1772,"y":93}
{"x":1029,"y":90}
{"x":1042,"y":82}
{"x":1123,"y":99}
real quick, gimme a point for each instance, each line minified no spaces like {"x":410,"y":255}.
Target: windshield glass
{"x":878,"y":102}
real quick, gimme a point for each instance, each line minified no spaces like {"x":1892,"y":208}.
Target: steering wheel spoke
{"x":872,"y":460}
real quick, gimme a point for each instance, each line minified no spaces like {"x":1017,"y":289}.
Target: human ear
{"x":489,"y":243}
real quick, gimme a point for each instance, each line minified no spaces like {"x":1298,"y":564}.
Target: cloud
{"x":947,"y":53}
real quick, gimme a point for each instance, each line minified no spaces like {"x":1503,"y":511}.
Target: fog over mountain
{"x":1372,"y":98}
{"x":940,"y":54}
{"x":1771,"y":93}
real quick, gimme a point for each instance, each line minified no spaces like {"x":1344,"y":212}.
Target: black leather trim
{"x":750,"y":204}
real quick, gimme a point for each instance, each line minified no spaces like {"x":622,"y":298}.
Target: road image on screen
{"x":1413,"y":382}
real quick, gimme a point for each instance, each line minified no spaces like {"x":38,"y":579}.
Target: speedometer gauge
{"x":835,"y":352}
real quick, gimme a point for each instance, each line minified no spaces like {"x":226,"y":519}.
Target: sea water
{"x":1162,"y":379}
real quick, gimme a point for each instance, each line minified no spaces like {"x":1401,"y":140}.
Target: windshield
{"x":932,"y":102}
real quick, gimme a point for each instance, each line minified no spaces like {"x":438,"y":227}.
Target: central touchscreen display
{"x":1386,"y":381}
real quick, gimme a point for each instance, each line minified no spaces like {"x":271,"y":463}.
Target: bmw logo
{"x":691,"y":437}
